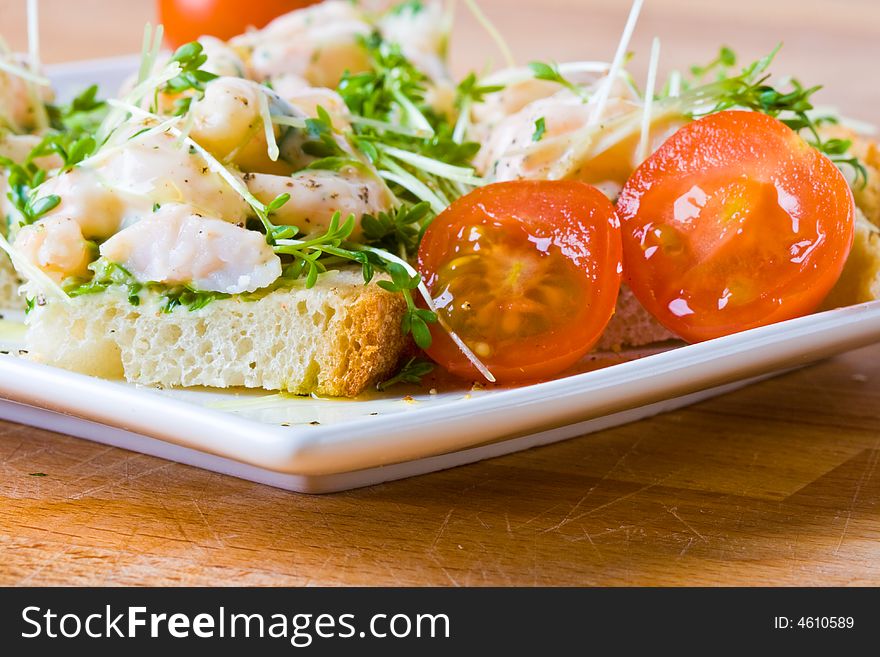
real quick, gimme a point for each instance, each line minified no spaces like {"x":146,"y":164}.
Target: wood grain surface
{"x":775,"y":484}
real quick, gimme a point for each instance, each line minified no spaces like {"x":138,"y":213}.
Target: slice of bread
{"x":631,"y":325}
{"x":860,"y":280}
{"x":867,"y":150}
{"x":335,"y":339}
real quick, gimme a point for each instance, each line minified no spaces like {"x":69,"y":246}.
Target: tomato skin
{"x":548,"y":249}
{"x":187,"y":20}
{"x":734,"y":223}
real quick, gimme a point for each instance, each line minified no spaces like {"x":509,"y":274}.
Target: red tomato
{"x":735,"y":222}
{"x":527,"y":274}
{"x":187,"y":20}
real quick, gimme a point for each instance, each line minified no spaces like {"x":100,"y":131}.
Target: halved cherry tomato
{"x":734,"y":223}
{"x":187,"y":20}
{"x":527,"y":274}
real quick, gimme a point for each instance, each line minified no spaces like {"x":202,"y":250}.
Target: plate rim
{"x":454,"y":425}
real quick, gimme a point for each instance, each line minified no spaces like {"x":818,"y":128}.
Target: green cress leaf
{"x":540,"y":129}
{"x":550,"y":73}
{"x":411,"y":372}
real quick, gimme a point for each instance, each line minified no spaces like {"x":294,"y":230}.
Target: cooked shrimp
{"x":510,"y":152}
{"x":306,"y":98}
{"x":95,"y":208}
{"x":122,"y":187}
{"x":57,"y":246}
{"x":228,"y":123}
{"x":510,"y":100}
{"x":316,"y":195}
{"x":19,"y":100}
{"x":422,"y":31}
{"x":176,"y":245}
{"x":319,"y":43}
{"x":18,"y":147}
{"x":569,"y":147}
{"x":222,"y":58}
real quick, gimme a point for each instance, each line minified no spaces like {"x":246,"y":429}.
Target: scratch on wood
{"x":442,"y":529}
{"x":605,"y":476}
{"x":686,"y":547}
{"x":867,"y":474}
{"x":619,"y":499}
{"x":449,"y":576}
{"x":220,"y":542}
{"x":673,"y":512}
{"x":128,"y":479}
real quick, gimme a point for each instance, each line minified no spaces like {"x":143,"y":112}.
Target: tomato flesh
{"x":734,"y":223}
{"x":526,"y":273}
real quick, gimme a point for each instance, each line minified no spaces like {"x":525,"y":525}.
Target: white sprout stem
{"x":381,"y":125}
{"x":24,"y":73}
{"x":32,"y":273}
{"x":521,"y":74}
{"x":41,"y":117}
{"x":587,"y":146}
{"x":146,"y":45}
{"x":109,"y":150}
{"x":645,"y":138}
{"x":157,"y":47}
{"x":413,"y":184}
{"x":290,"y":121}
{"x":462,"y":123}
{"x":675,"y":84}
{"x":429,"y":301}
{"x":114,"y":118}
{"x":33,"y":29}
{"x":405,"y":179}
{"x":458,"y":174}
{"x":415,"y":117}
{"x":139,"y":91}
{"x":604,"y":91}
{"x":213,"y":163}
{"x":492,"y":31}
{"x":268,"y":127}
{"x":187,"y":127}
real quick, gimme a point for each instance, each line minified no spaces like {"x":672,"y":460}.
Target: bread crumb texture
{"x":631,"y":325}
{"x":334,"y":339}
{"x":867,"y":195}
{"x":860,"y":280}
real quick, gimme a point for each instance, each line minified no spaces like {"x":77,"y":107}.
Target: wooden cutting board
{"x":775,"y":484}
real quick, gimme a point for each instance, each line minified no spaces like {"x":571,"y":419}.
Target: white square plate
{"x":318,"y":445}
